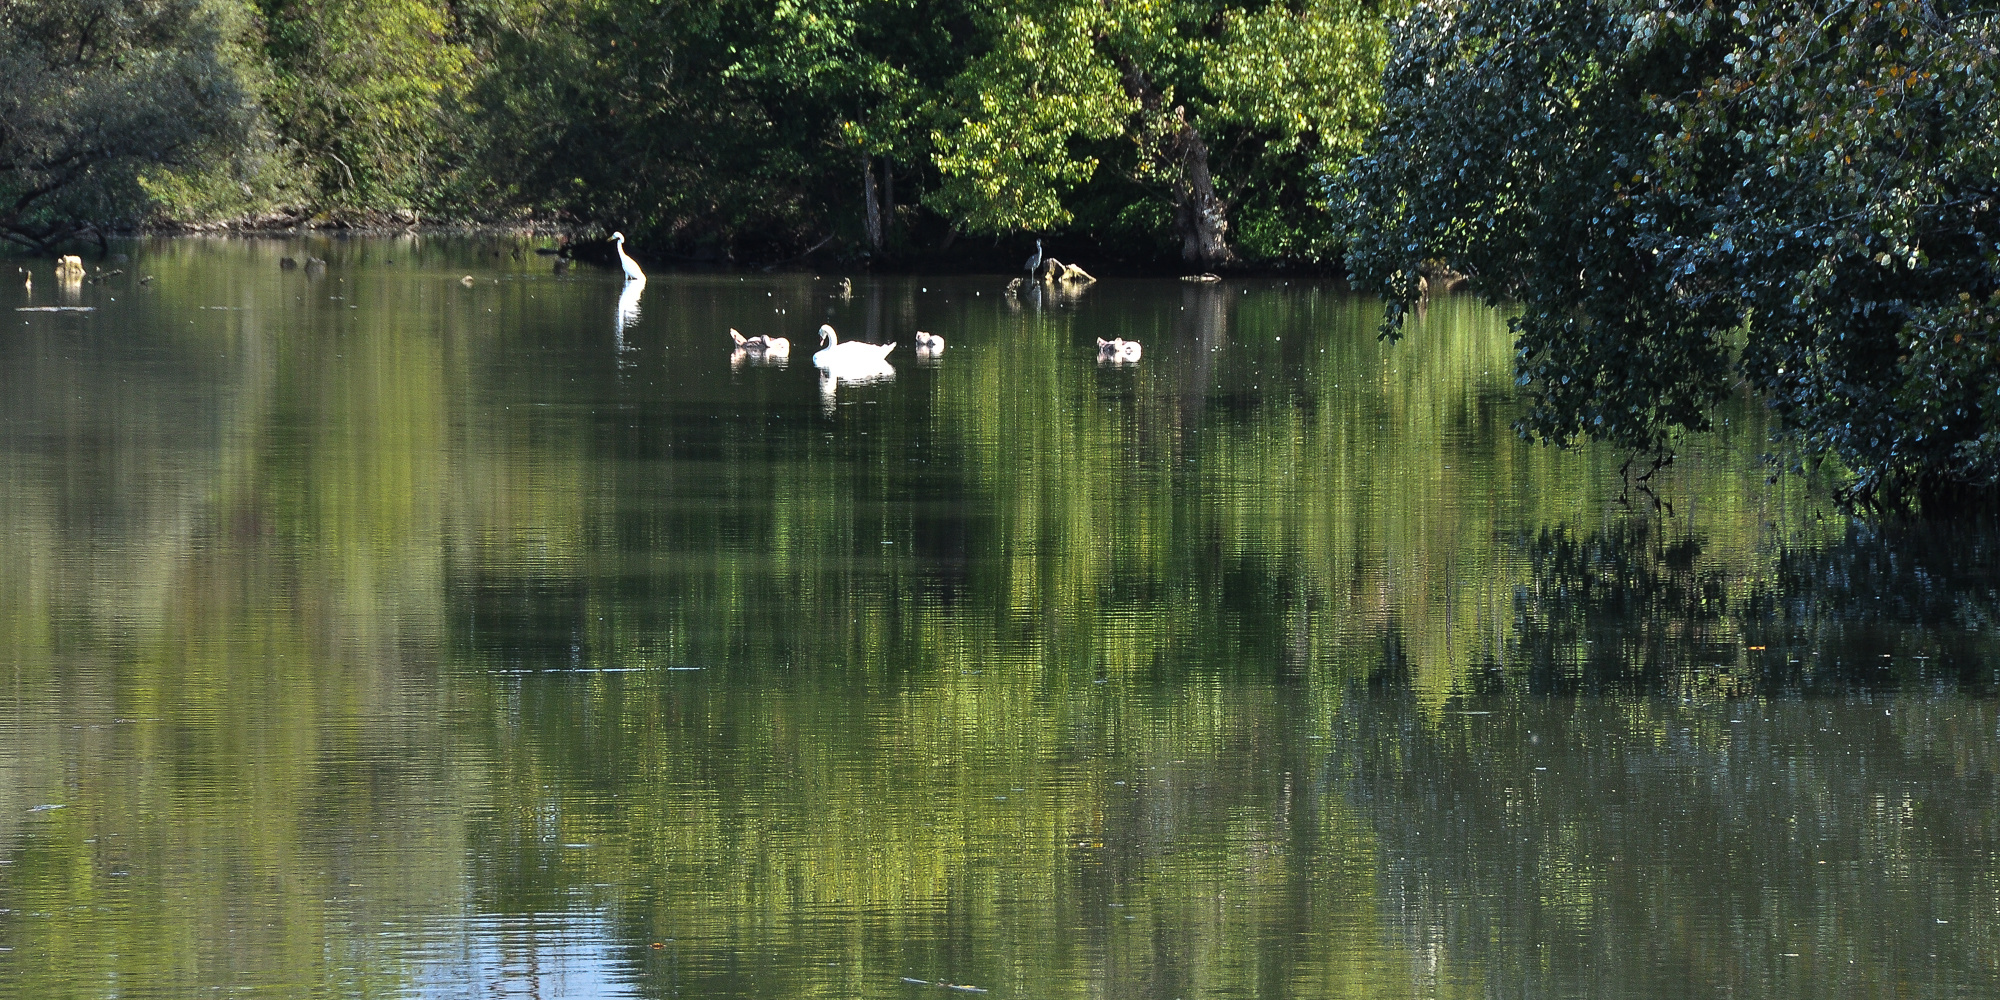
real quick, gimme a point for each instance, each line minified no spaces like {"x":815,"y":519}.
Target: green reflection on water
{"x":379,"y":634}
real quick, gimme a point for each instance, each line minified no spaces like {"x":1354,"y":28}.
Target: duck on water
{"x":1118,"y":350}
{"x":761,"y":344}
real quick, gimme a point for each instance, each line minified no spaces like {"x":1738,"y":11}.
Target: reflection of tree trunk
{"x":1200,"y":332}
{"x":888,"y":223}
{"x":871,"y":214}
{"x":872,"y":325}
{"x":1200,"y":216}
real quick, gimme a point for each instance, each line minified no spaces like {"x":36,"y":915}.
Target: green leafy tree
{"x":1838,"y":175}
{"x":724,"y":128}
{"x":94,"y":94}
{"x":1679,"y":195}
{"x":1170,"y":92}
{"x":368,"y":95}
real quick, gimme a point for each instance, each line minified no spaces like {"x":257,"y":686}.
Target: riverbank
{"x":589,"y":243}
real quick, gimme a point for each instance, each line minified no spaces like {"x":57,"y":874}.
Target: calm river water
{"x":373,"y":633}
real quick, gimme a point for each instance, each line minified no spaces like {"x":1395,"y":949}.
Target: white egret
{"x":632,"y":272}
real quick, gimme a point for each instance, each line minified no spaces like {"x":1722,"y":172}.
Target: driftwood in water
{"x":1055,"y":271}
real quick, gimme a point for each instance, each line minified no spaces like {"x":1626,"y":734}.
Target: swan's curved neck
{"x":832,"y":338}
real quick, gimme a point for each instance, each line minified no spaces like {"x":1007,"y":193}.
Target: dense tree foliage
{"x":1681,"y":195}
{"x":1204,"y":107}
{"x":95,"y":93}
{"x":369,"y":93}
{"x":719,"y":127}
{"x":748,"y":129}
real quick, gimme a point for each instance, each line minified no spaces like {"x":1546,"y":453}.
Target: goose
{"x":853,"y":354}
{"x":762,"y":344}
{"x":632,"y":272}
{"x":1117,"y":349}
{"x":929,"y":343}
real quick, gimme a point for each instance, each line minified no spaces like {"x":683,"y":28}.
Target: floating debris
{"x":944,"y":985}
{"x":55,"y":309}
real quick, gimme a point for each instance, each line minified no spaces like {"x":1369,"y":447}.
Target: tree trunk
{"x":1205,"y":219}
{"x":871,"y":215}
{"x":1201,"y":218}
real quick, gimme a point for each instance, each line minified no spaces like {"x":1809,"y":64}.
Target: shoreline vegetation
{"x":587,"y":243}
{"x":1677,"y":200}
{"x":744,"y":131}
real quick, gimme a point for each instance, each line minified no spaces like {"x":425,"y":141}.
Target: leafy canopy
{"x":1679,"y":195}
{"x":96,"y":93}
{"x":1282,"y":93}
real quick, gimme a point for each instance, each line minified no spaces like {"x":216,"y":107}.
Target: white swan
{"x":1117,"y":350}
{"x":632,"y":272}
{"x":777,"y":347}
{"x":929,"y":344}
{"x":853,"y":354}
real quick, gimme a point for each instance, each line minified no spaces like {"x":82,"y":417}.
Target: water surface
{"x":375,"y":633}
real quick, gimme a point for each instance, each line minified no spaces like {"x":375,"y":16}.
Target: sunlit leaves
{"x":1022,"y":107}
{"x":367,"y":92}
{"x":1278,"y":91}
{"x":1305,"y":75}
